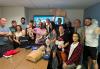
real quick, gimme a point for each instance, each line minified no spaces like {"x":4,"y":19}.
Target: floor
{"x":19,"y":61}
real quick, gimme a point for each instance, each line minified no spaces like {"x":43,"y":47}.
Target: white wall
{"x":13,"y":13}
{"x":75,"y":14}
{"x":72,"y":13}
{"x":0,"y":11}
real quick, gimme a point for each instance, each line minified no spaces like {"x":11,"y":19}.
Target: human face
{"x":76,"y":24}
{"x":30,"y":25}
{"x":47,"y":22}
{"x":87,"y":22}
{"x":3,"y":21}
{"x":40,"y":25}
{"x":18,"y":28}
{"x":75,"y":37}
{"x":22,"y":21}
{"x":61,"y":30}
{"x":14,"y":24}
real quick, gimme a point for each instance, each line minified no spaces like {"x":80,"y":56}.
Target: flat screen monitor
{"x":42,"y":18}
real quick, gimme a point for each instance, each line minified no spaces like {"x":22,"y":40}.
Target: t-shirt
{"x":24,"y":26}
{"x":40,"y":31}
{"x":12,"y":29}
{"x":91,"y":38}
{"x":64,"y":37}
{"x":4,"y":39}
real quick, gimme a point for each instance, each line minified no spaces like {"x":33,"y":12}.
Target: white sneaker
{"x":7,"y":56}
{"x":79,"y":67}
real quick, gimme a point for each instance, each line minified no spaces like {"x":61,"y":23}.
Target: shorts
{"x":91,"y":52}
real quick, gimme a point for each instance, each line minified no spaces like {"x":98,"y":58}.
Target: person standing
{"x":79,"y":30}
{"x":91,"y":42}
{"x":23,"y":23}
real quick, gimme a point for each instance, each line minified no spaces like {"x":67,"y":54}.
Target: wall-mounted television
{"x":42,"y":18}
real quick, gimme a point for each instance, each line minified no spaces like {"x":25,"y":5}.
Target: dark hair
{"x":23,"y":18}
{"x":87,"y":18}
{"x":53,"y":24}
{"x":31,"y":21}
{"x":20,"y":27}
{"x":60,"y":19}
{"x":13,"y":21}
{"x":48,"y":19}
{"x":78,"y":35}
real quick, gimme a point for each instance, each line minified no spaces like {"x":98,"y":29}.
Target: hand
{"x":4,"y":33}
{"x":64,"y":65}
{"x":59,"y":47}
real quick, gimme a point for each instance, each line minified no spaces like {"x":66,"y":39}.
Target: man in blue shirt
{"x":5,"y":43}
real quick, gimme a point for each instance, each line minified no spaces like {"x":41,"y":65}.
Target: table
{"x":18,"y":61}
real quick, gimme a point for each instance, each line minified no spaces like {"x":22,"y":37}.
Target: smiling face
{"x":87,"y":22}
{"x":61,"y":29}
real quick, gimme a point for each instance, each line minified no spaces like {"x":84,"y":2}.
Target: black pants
{"x":5,"y":48}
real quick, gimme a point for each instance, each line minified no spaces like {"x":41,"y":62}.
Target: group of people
{"x":69,"y":46}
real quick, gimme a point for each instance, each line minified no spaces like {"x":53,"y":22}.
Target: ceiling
{"x":50,"y":3}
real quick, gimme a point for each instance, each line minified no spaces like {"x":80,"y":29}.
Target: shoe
{"x":10,"y":53}
{"x":28,"y":47}
{"x":7,"y":56}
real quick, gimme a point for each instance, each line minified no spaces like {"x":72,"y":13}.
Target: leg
{"x":93,"y":55}
{"x":89,"y":63}
{"x":95,"y":64}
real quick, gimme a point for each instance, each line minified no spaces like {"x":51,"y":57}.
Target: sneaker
{"x":7,"y":56}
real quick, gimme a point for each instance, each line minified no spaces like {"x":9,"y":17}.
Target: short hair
{"x":60,"y":19}
{"x":23,"y":18}
{"x":48,"y":19}
{"x":13,"y":21}
{"x":88,"y":18}
{"x":31,"y":21}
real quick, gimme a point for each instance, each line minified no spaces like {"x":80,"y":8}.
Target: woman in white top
{"x":19,"y":32}
{"x":75,"y":51}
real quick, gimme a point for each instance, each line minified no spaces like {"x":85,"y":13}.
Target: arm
{"x":66,"y":44}
{"x":97,"y":31}
{"x":4,"y":33}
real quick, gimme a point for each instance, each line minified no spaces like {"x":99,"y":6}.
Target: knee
{"x":94,"y":62}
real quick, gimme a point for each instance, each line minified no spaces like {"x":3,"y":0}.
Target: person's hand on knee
{"x":64,"y":66}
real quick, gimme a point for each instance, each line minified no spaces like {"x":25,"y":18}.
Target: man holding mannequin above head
{"x":91,"y":41}
{"x":5,"y":33}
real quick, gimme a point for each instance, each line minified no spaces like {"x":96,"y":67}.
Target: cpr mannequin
{"x":60,"y":45}
{"x":97,"y":30}
{"x":35,"y":55}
